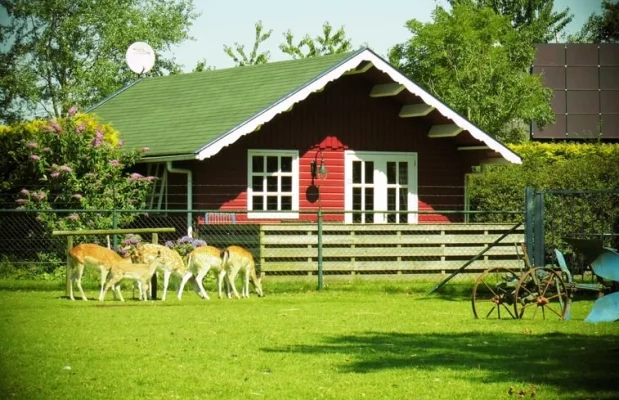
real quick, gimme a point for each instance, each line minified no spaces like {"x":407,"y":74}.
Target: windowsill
{"x":273,"y":215}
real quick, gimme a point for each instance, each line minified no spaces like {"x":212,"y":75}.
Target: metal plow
{"x":546,"y":292}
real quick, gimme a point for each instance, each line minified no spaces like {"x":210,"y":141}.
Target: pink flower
{"x":55,"y":174}
{"x":135,"y":176}
{"x":47,"y":149}
{"x":98,"y":139}
{"x":80,"y":128}
{"x":55,"y":127}
{"x":39,"y":195}
{"x":73,"y":217}
{"x":21,"y":201}
{"x":35,"y":157}
{"x":72,"y":111}
{"x":32,"y":145}
{"x":25,"y":192}
{"x":115,"y":163}
{"x":150,"y":178}
{"x":65,"y":168}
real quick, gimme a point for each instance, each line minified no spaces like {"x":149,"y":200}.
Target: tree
{"x":202,"y":66}
{"x":70,"y":163}
{"x":321,"y":46}
{"x":241,"y":58}
{"x":473,"y":60}
{"x":602,"y":28}
{"x":537,"y":18}
{"x":60,"y":53}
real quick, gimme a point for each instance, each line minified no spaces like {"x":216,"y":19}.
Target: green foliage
{"x":602,"y":28}
{"x":555,"y":166}
{"x":475,"y":61}
{"x":57,"y":53}
{"x":71,"y":163}
{"x":241,"y":58}
{"x":323,"y":45}
{"x":537,"y":18}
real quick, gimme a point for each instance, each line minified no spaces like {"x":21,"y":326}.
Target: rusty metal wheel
{"x":493,"y":294}
{"x":541,"y":294}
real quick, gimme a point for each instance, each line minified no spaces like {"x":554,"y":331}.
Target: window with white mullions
{"x":381,"y":187}
{"x":273,"y":186}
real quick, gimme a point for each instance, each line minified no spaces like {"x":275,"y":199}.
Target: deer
{"x":236,"y":259}
{"x":169,"y":262}
{"x":142,"y":273}
{"x":93,"y":256}
{"x":199,"y":262}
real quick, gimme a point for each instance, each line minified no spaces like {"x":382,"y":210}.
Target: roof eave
{"x":317,"y":84}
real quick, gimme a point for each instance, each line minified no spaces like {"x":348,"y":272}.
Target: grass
{"x":351,"y":341}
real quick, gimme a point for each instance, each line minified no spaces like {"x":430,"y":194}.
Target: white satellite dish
{"x":140,"y":57}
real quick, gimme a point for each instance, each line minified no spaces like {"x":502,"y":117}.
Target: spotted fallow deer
{"x":93,"y":256}
{"x":170,"y":263}
{"x":142,"y":273}
{"x":236,"y":259}
{"x":199,"y":262}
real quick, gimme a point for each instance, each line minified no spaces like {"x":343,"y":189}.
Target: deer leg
{"x":186,"y":277}
{"x":231,"y":278}
{"x":80,"y":271}
{"x":199,"y":279}
{"x":246,"y":283}
{"x":166,"y":281}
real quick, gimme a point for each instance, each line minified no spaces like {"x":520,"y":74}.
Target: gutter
{"x":171,"y":169}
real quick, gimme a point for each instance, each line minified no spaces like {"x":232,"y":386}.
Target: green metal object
{"x":319,"y":249}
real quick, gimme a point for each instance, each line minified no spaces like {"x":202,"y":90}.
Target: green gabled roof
{"x":180,"y":114}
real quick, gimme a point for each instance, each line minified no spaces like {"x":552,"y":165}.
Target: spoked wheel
{"x":493,"y":294}
{"x":541,"y":294}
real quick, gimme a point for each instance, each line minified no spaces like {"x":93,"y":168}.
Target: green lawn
{"x":351,"y":341}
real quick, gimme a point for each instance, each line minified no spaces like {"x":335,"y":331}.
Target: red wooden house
{"x":256,"y":139}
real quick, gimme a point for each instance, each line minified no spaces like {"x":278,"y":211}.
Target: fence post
{"x":153,"y":280}
{"x":529,"y":212}
{"x":319,"y":249}
{"x":68,"y":278}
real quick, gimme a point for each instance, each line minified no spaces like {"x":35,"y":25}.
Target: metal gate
{"x":553,"y":215}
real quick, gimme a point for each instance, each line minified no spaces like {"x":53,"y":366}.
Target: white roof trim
{"x":367,"y":55}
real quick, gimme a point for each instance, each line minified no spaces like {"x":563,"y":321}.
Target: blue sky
{"x":378,"y":23}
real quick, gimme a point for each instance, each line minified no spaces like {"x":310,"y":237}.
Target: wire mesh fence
{"x":316,"y":242}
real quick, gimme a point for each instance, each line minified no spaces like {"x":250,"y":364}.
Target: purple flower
{"x":77,"y":196}
{"x":35,"y":157}
{"x":32,"y":145}
{"x":115,"y":163}
{"x":169,"y":244}
{"x":133,"y":240}
{"x":80,"y":128}
{"x":25,"y":192}
{"x":65,"y":168}
{"x":185,"y":239}
{"x":72,"y":111}
{"x":198,"y":243}
{"x":73,"y":217}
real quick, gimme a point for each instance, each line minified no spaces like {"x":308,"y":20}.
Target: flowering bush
{"x":128,"y":244}
{"x":70,"y":163}
{"x":185,"y":245}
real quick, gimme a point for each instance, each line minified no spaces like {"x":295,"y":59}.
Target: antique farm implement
{"x":547,"y":292}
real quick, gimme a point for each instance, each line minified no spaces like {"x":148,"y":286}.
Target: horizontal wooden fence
{"x":380,"y":249}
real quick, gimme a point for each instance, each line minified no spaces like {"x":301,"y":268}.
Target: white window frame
{"x":380,"y":182}
{"x":294,"y":213}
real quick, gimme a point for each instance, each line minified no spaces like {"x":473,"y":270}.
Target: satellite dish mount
{"x":140,"y":57}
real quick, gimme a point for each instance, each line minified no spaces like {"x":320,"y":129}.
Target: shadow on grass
{"x":572,"y":362}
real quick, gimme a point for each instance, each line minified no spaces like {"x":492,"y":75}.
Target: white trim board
{"x":320,"y":82}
